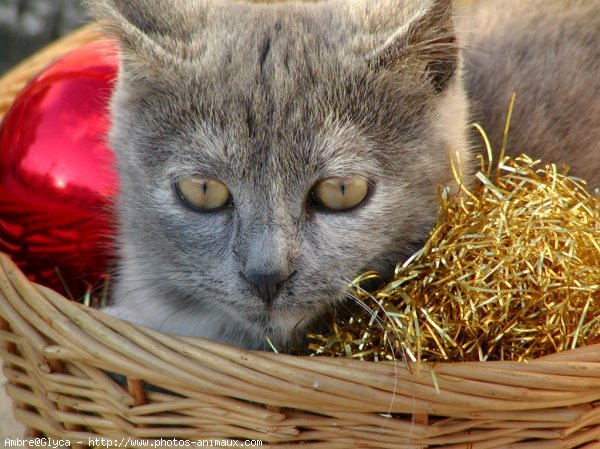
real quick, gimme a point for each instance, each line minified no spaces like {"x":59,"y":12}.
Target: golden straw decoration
{"x":510,"y":272}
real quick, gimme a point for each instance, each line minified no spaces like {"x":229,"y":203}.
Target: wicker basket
{"x":57,"y":355}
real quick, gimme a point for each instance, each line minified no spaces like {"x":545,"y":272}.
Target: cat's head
{"x":269,"y":153}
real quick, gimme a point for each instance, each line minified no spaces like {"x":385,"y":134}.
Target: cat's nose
{"x":268,"y":285}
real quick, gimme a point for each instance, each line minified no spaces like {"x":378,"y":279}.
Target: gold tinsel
{"x":511,"y":272}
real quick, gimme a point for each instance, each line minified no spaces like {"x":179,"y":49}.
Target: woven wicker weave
{"x":57,"y":355}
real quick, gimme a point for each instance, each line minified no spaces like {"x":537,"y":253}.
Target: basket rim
{"x":77,"y":332}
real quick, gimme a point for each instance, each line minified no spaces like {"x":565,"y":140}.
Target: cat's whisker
{"x":182,"y":276}
{"x":176,"y":310}
{"x":381,"y":323}
{"x":146,"y":286}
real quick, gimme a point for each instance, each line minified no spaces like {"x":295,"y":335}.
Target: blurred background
{"x":27,"y":25}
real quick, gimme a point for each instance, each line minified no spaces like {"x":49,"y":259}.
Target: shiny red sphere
{"x":57,"y":180}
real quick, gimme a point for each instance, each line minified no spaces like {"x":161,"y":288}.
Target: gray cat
{"x":268,"y":153}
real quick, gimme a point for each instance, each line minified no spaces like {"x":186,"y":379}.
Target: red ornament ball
{"x":57,"y":181}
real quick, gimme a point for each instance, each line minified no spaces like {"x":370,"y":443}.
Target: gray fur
{"x":268,"y":99}
{"x":548,"y":53}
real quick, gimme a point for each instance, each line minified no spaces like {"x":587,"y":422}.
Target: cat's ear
{"x":162,"y":29}
{"x":408,"y":34}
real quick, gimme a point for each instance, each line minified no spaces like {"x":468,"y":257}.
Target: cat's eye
{"x":203,"y":193}
{"x":339,"y":193}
